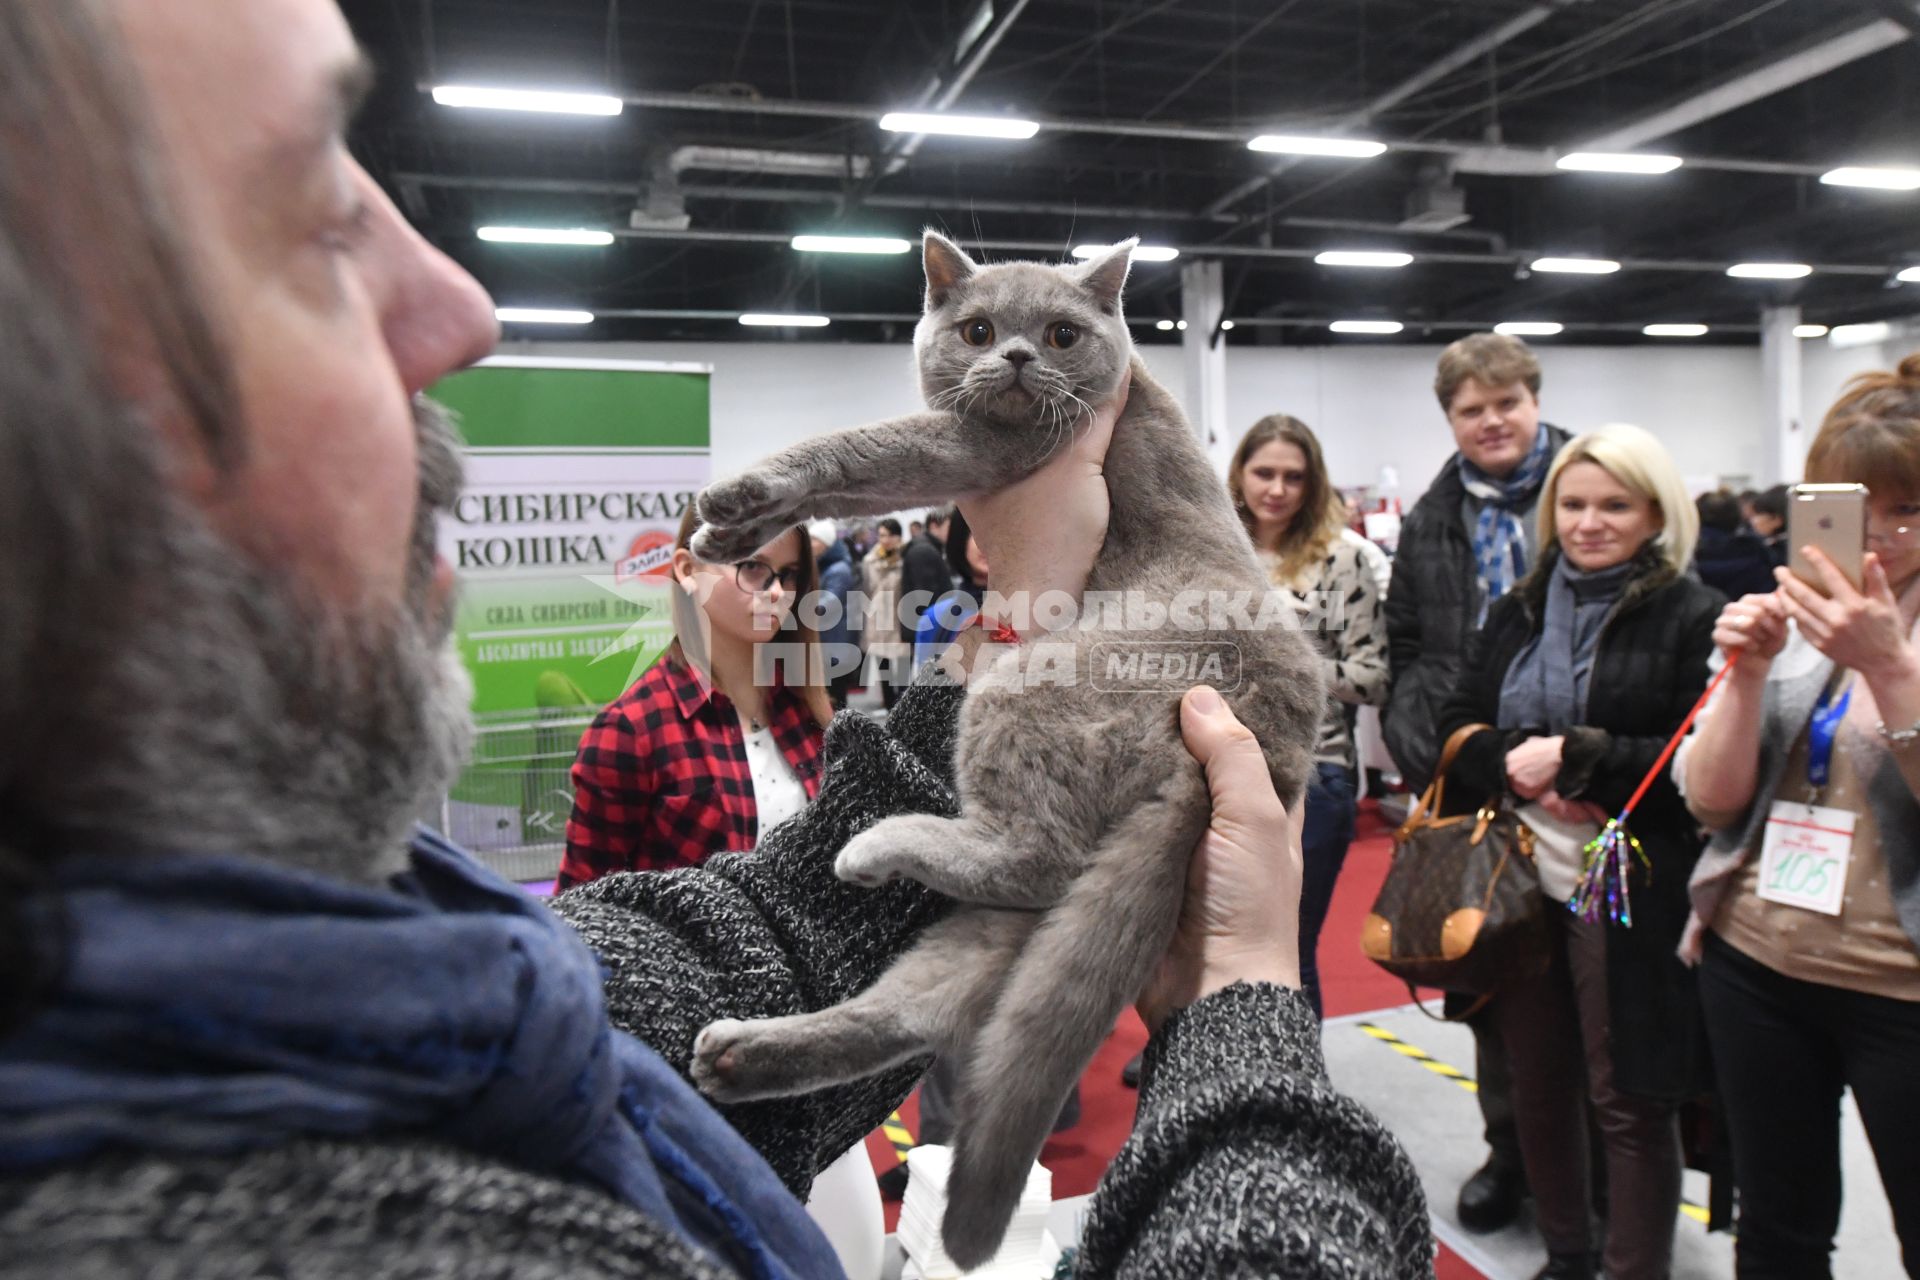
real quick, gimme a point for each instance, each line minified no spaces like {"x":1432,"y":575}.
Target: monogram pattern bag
{"x":1461,"y":908}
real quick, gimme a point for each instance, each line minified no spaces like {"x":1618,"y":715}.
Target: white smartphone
{"x":1832,"y":517}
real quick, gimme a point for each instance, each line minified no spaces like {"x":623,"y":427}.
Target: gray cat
{"x":1079,"y":805}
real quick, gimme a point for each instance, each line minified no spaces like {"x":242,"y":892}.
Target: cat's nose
{"x":1018,"y":356}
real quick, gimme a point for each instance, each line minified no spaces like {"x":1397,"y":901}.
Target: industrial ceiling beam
{"x":1811,"y":58}
{"x":1277,"y":252}
{"x":1509,"y":159}
{"x":957,"y":205}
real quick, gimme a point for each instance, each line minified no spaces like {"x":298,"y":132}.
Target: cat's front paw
{"x":722,"y":1057}
{"x":728,"y":544}
{"x":869,"y":862}
{"x":752,"y":498}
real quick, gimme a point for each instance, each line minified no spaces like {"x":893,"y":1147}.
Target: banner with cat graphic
{"x":578,"y":472}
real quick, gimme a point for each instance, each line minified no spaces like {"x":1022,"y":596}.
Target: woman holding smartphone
{"x":1806,"y":768}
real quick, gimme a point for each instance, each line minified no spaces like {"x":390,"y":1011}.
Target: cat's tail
{"x":1086,"y":962}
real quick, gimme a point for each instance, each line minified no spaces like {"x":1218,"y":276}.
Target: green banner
{"x":578,"y":473}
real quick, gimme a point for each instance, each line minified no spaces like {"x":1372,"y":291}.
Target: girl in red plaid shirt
{"x":712,"y":745}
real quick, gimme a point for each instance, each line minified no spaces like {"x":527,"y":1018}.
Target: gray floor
{"x":1439,"y":1122}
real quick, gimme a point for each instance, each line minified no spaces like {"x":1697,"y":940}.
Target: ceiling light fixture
{"x":1617,"y":162}
{"x":545,"y":235}
{"x":1141,"y":252}
{"x":538,"y":100}
{"x":1859,"y":335}
{"x":1769,"y":270}
{"x":1675,"y":330}
{"x":1366,"y":326}
{"x":783,"y":320}
{"x":1164,"y":326}
{"x":1529,"y":328}
{"x":1879,"y":179}
{"x":1577,"y":266}
{"x":1809,"y":331}
{"x":1181,"y":325}
{"x":1288,"y":144}
{"x":1362,"y":258}
{"x":851,"y":244}
{"x":1226,"y":324}
{"x":958,"y":126}
{"x":541,"y":315}
{"x":1910,"y":275}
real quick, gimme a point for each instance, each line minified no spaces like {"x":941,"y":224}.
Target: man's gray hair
{"x":161,"y":691}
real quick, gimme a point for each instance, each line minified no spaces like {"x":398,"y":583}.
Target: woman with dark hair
{"x":713,"y":744}
{"x":1810,"y":961}
{"x":1331,"y":576}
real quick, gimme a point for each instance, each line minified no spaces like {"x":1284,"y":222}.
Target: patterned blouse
{"x":1341,"y":605}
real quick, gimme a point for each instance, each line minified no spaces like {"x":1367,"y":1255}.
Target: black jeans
{"x":1783,"y":1051}
{"x":1324,"y":839}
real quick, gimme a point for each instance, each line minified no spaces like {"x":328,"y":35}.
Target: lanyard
{"x":1826,"y":722}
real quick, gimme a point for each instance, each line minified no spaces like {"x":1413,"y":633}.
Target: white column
{"x":1786,"y":435}
{"x":1204,"y":359}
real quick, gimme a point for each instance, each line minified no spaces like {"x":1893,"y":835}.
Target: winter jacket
{"x":924,"y":568}
{"x":1431,"y":607}
{"x":1651,"y":667}
{"x":838,"y":580}
{"x":1244,"y":1161}
{"x":1737,"y":563}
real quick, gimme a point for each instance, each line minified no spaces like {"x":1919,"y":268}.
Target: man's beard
{"x":232,"y":712}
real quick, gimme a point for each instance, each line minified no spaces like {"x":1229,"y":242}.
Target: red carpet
{"x":1349,"y":983}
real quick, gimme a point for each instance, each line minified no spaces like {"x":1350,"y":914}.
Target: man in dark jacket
{"x":1731,"y":558}
{"x":1469,"y":540}
{"x":924,"y":573}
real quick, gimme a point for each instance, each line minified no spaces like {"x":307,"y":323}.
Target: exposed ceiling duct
{"x":791,"y":164}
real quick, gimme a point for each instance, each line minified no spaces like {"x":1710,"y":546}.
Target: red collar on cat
{"x":997,"y":632}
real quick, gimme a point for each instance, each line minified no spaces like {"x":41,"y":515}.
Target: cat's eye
{"x":1062,"y":336}
{"x":976,"y":333}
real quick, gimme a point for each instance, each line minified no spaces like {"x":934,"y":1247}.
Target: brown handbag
{"x":1461,"y":908}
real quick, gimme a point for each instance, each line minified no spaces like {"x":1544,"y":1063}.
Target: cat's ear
{"x":947,"y":267}
{"x":1106,"y":276}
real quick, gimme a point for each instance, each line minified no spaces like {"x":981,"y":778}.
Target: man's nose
{"x":436,"y":318}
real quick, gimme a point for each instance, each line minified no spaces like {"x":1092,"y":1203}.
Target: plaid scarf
{"x":1500,"y":535}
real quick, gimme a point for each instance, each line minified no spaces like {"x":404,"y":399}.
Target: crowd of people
{"x":253,"y":1020}
{"x":1567,"y":601}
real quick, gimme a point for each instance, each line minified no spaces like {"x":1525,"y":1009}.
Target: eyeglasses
{"x":757,"y":576}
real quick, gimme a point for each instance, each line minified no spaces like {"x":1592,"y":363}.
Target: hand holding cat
{"x":1241,"y":918}
{"x":1042,"y":533}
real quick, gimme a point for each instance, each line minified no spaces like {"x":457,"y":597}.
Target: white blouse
{"x":778,"y":793}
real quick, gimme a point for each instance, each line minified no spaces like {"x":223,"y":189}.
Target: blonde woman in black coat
{"x":1584,"y":671}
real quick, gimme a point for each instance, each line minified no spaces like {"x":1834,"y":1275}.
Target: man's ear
{"x":947,"y":267}
{"x":1105,"y":277}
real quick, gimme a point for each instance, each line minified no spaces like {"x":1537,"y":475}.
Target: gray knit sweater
{"x":1244,"y":1161}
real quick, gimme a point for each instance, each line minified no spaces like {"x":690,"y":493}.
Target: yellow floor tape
{"x":899,"y":1135}
{"x":1697,"y":1212}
